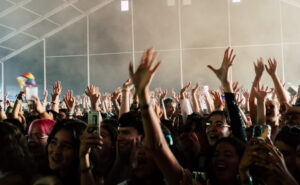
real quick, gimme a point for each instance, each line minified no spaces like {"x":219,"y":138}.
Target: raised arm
{"x":114,"y":98}
{"x":185,"y":104}
{"x":45,"y":98}
{"x":154,"y":138}
{"x":280,"y":92}
{"x":55,"y":96}
{"x":18,"y":105}
{"x":93,"y":93}
{"x":70,"y":103}
{"x":261,"y":95}
{"x":237,"y":123}
{"x":259,"y":69}
{"x":162,"y":97}
{"x":125,"y":104}
{"x":217,"y":99}
{"x":194,"y":98}
{"x":87,"y":141}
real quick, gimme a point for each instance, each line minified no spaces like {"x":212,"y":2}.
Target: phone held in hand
{"x":292,"y":90}
{"x":94,"y":118}
{"x":30,"y":93}
{"x":199,"y":177}
{"x":261,"y":132}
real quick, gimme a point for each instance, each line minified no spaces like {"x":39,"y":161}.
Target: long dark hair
{"x":14,"y":154}
{"x":76,"y":127}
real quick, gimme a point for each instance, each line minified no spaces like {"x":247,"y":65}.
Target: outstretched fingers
{"x":212,"y":68}
{"x":156,"y":67}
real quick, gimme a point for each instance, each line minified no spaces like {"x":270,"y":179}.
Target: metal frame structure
{"x":85,"y":14}
{"x":22,"y":30}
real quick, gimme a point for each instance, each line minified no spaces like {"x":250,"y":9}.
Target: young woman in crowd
{"x":63,"y":150}
{"x":16,"y":162}
{"x":38,"y":133}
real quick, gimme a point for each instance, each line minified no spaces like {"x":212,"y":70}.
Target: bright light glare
{"x":171,"y":2}
{"x":236,"y":1}
{"x":187,"y":2}
{"x":124,"y":5}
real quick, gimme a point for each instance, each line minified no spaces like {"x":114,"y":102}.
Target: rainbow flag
{"x":26,"y":79}
{"x":30,"y":80}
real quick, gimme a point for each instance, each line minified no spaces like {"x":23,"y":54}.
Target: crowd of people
{"x":134,"y":135}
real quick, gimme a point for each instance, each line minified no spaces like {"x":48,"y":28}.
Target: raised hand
{"x":6,"y":97}
{"x":259,"y":67}
{"x":69,"y":101}
{"x":273,"y":162}
{"x":128,"y":84}
{"x":195,"y":88}
{"x":163,"y":94}
{"x":246,"y":94}
{"x":174,"y":96}
{"x":142,"y":77}
{"x":217,"y":99}
{"x":93,"y":93}
{"x":116,"y":94}
{"x":56,"y":91}
{"x":235,"y":87}
{"x":223,"y":72}
{"x":239,"y":99}
{"x":183,"y":90}
{"x":89,"y":140}
{"x":45,"y":94}
{"x":261,"y":92}
{"x":271,"y":69}
{"x":38,"y":106}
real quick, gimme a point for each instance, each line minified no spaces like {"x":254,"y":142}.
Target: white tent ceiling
{"x":24,"y":23}
{"x":39,"y":36}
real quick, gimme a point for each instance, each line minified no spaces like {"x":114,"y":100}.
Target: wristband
{"x":53,"y":102}
{"x":125,"y":90}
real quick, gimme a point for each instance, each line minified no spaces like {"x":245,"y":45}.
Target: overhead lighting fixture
{"x":124,"y":5}
{"x":236,"y":1}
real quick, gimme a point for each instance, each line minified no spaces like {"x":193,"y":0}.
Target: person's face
{"x":298,"y":159}
{"x":107,"y":145}
{"x":61,"y":152}
{"x":249,"y":121}
{"x":128,"y":136}
{"x":289,"y":155}
{"x":217,"y":128}
{"x":189,"y":140}
{"x":143,"y":164}
{"x":292,"y":118}
{"x":37,"y":141}
{"x":225,"y":162}
{"x":78,"y":111}
{"x":272,"y":112}
{"x":170,"y":108}
{"x":63,"y":115}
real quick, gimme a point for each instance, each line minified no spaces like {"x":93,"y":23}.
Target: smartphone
{"x":292,"y":91}
{"x":261,"y":131}
{"x":199,"y":177}
{"x":94,"y":118}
